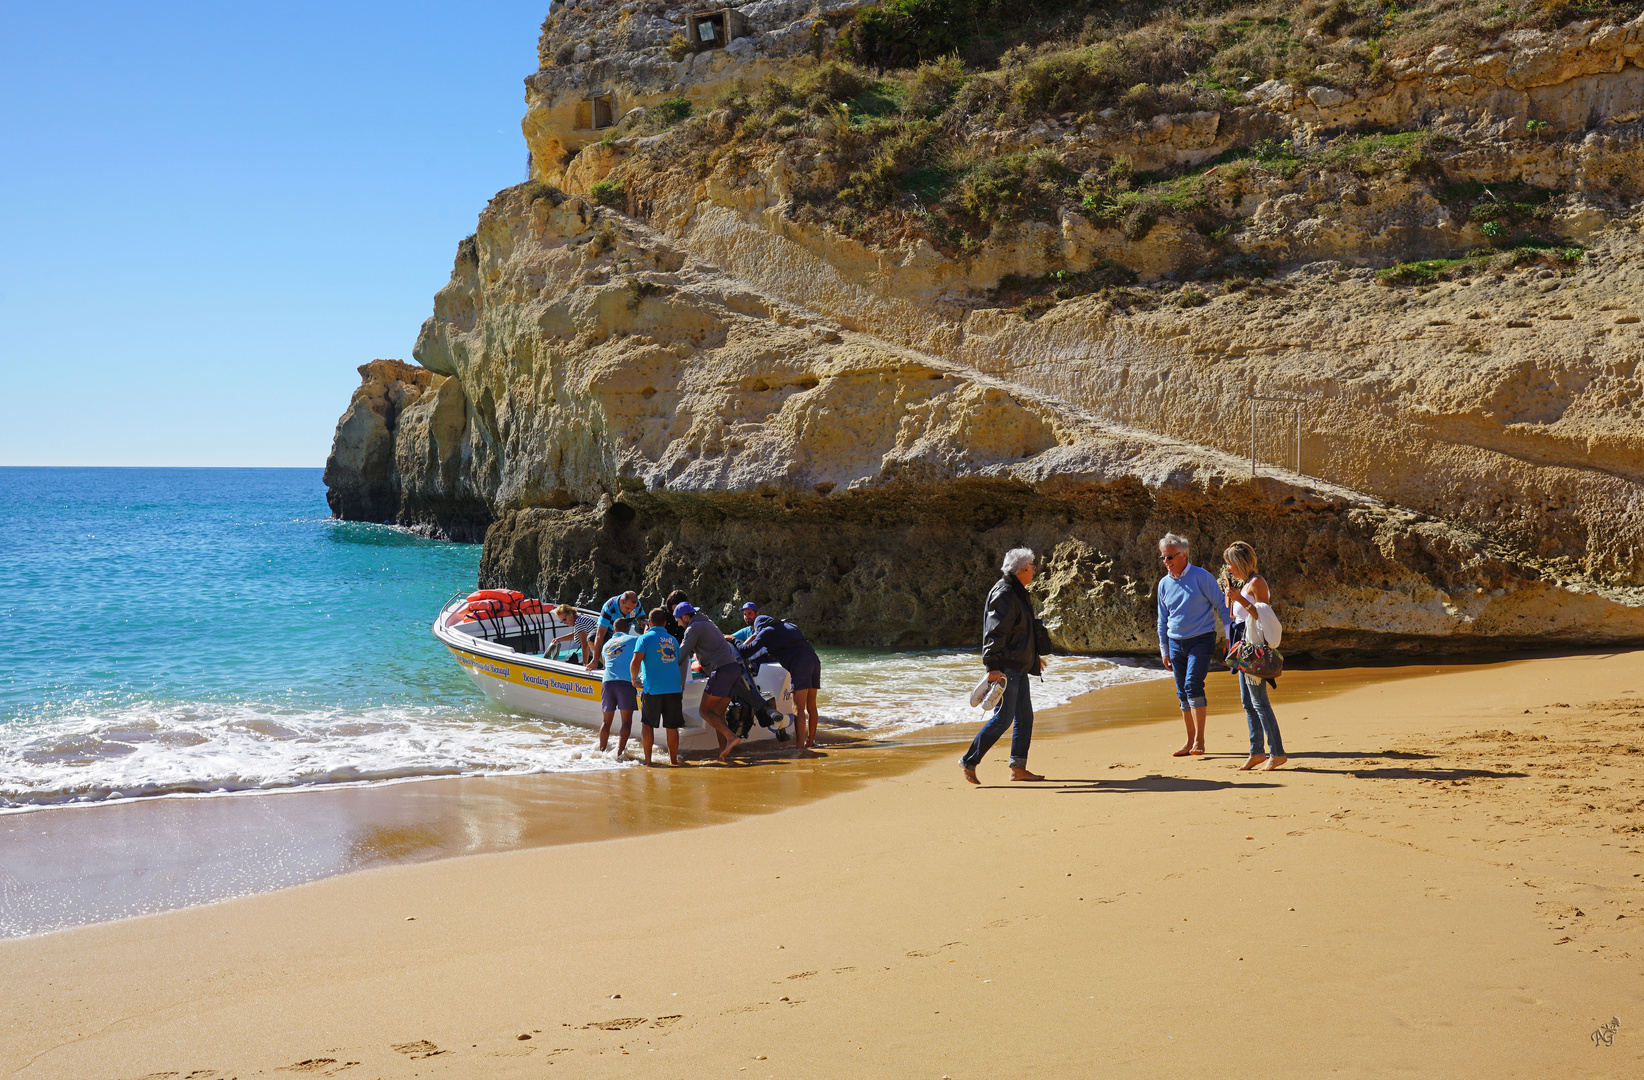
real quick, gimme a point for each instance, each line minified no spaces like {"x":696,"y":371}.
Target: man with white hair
{"x":1192,"y":612}
{"x":1014,"y":642}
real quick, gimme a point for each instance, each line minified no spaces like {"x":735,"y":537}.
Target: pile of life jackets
{"x":500,"y":604}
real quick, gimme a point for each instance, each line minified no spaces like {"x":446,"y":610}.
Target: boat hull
{"x":556,"y":690}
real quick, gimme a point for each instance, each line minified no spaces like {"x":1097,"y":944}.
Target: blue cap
{"x":750,"y":606}
{"x":682,"y":609}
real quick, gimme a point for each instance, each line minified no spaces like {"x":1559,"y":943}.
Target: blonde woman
{"x":567,"y":615}
{"x":1266,"y":745}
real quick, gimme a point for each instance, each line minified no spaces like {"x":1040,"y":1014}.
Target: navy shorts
{"x":806,"y":674}
{"x":663,"y":710}
{"x":617,"y":694}
{"x":722,"y":683}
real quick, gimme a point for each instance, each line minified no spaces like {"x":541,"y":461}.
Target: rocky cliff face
{"x":403,"y":454}
{"x":725,"y":396}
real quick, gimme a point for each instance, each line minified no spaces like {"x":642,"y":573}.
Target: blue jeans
{"x":1259,"y":713}
{"x":1190,"y":662}
{"x":1015,"y":709}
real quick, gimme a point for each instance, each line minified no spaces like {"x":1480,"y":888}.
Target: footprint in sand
{"x":667,"y":1021}
{"x":932,"y":952}
{"x":802,"y":975}
{"x":418,"y":1050}
{"x":313,"y":1066}
{"x":619,"y":1024}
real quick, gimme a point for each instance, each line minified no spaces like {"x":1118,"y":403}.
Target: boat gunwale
{"x":493,"y":650}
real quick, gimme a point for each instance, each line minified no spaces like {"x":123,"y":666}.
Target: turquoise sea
{"x":209,"y":631}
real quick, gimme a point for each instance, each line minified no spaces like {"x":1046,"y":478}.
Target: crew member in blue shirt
{"x":655,"y":666}
{"x":1192,"y":612}
{"x":622,"y":606}
{"x":616,"y":692}
{"x":750,"y":612}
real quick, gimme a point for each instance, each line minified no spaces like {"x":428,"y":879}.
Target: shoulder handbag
{"x":1260,"y":661}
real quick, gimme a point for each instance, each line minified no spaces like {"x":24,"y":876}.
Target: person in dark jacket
{"x":1013,"y":647}
{"x":673,"y":625}
{"x":785,"y":643}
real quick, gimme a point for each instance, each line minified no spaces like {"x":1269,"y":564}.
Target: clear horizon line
{"x":6,"y":466}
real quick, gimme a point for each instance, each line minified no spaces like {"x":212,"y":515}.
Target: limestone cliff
{"x":727,"y":391}
{"x":402,"y":454}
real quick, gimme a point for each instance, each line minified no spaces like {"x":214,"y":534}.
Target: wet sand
{"x":77,"y":865}
{"x":1444,"y":881}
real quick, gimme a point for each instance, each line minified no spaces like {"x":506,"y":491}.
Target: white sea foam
{"x":894,"y":694}
{"x":203,"y":748}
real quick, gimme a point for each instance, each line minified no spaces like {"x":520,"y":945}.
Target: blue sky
{"x":210,"y":215}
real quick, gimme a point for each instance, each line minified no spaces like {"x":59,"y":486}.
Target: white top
{"x":1261,"y":625}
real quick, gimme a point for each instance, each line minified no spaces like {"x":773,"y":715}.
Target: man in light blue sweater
{"x":1192,"y":612}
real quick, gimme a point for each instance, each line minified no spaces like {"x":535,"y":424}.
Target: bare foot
{"x":1255,"y":759}
{"x":1023,"y":774}
{"x":1197,"y":751}
{"x":970,"y":774}
{"x":1183,"y":752}
{"x":678,"y":763}
{"x":1274,"y":762}
{"x":730,"y":748}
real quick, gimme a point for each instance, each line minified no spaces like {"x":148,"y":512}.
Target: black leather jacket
{"x":1013,"y":639}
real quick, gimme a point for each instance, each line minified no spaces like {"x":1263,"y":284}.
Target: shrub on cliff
{"x":672,"y":110}
{"x":608,"y":192}
{"x":1001,"y":190}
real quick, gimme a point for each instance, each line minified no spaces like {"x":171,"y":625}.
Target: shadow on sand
{"x":1141,"y":783}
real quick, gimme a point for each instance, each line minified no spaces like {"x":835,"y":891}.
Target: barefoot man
{"x":655,"y":667}
{"x":1192,"y":612}
{"x":722,"y":663}
{"x":616,"y":686}
{"x":1013,"y":646}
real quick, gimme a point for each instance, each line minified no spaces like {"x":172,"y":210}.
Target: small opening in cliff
{"x":619,"y":514}
{"x":598,"y":111}
{"x":715,"y":27}
{"x":648,"y":393}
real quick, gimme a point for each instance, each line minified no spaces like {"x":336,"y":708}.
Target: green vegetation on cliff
{"x":944,"y":120}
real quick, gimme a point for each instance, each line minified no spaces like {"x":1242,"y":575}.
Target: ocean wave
{"x":218,"y":749}
{"x":106,"y":750}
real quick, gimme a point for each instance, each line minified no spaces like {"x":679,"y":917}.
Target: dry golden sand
{"x":1443,"y":883}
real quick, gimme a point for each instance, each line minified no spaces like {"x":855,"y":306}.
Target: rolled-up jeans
{"x":1258,"y":712}
{"x":1015,"y":710}
{"x":1190,"y":663}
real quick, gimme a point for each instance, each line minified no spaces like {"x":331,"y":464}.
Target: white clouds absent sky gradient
{"x":211,"y":214}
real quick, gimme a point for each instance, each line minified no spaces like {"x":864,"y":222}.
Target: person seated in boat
{"x":616,"y":687}
{"x":623,"y":606}
{"x":707,"y":643}
{"x":750,"y":612}
{"x":566,"y":615}
{"x":785,"y":644}
{"x":655,"y":667}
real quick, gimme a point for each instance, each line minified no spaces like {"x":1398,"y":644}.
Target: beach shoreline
{"x":1443,"y":881}
{"x":133,"y":858}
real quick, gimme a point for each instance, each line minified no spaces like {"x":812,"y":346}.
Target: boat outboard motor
{"x":748,"y":705}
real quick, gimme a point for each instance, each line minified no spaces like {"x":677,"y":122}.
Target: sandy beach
{"x":1445,"y":881}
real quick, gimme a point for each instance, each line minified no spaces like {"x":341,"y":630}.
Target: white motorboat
{"x":508,"y":650}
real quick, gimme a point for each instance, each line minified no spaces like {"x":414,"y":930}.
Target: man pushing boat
{"x":707,"y":643}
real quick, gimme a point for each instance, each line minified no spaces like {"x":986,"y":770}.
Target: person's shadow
{"x":1152,"y":782}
